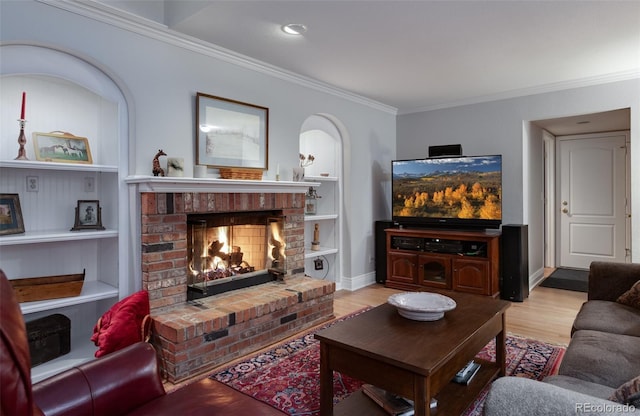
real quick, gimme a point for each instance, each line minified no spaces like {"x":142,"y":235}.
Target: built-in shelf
{"x":79,"y":354}
{"x":79,"y":167}
{"x":310,"y":254}
{"x":320,"y":217}
{"x":327,"y":219}
{"x":71,"y":93}
{"x":182,"y":184}
{"x":91,"y":292}
{"x":321,"y":178}
{"x":33,"y":237}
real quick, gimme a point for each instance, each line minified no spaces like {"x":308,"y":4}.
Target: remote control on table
{"x":464,"y":370}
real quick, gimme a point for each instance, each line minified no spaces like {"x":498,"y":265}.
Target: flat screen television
{"x":456,"y":192}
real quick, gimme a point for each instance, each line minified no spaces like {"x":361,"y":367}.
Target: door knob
{"x":565,"y":203}
{"x":565,"y":211}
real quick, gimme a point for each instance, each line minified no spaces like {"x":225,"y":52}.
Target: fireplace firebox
{"x":229,"y":251}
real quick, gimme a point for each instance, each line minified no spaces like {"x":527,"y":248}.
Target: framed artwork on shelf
{"x":231,"y":134}
{"x":61,"y":147}
{"x":10,"y":214}
{"x":88,"y":216}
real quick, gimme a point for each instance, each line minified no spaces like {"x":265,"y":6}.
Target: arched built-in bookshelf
{"x":65,"y":93}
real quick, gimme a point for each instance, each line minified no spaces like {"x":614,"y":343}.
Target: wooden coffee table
{"x":416,"y":360}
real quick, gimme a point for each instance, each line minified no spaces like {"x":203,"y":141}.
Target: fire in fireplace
{"x":228,"y":251}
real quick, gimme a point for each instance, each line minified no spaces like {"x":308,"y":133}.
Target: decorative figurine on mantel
{"x":157,"y":169}
{"x":315,"y":244}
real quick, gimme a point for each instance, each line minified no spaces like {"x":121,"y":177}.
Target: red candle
{"x":24,"y":98}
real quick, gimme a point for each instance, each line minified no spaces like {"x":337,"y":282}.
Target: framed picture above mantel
{"x":230,"y":133}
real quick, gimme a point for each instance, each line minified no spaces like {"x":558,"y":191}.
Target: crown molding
{"x":541,"y":89}
{"x":154,"y":30}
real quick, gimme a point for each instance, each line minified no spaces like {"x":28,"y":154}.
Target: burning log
{"x":217,"y":274}
{"x":215,"y":250}
{"x":235,"y":257}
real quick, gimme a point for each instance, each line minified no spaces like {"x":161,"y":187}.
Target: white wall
{"x":502,"y":127}
{"x":160,"y":76}
{"x":533,"y":204}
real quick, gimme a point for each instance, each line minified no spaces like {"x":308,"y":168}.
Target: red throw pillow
{"x":122,"y":325}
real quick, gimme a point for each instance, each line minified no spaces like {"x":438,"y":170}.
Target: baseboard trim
{"x":536,"y":278}
{"x":358,"y":282}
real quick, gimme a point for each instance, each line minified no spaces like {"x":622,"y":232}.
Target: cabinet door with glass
{"x":434,"y":270}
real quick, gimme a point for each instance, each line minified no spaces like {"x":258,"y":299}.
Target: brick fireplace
{"x":197,"y":335}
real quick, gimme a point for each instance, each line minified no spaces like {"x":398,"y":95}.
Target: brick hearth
{"x":203,"y":334}
{"x":193,"y":337}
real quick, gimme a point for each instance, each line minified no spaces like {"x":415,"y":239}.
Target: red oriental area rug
{"x":287,"y":376}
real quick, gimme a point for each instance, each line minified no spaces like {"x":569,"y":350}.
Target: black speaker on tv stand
{"x":514,"y":256}
{"x":381,"y":249}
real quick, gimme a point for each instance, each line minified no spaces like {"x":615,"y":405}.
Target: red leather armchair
{"x":126,"y":382}
{"x":16,"y":397}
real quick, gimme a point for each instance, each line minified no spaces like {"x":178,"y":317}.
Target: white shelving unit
{"x":321,"y":138}
{"x":48,"y":247}
{"x":327,"y":219}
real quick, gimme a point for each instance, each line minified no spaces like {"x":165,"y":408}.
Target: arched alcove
{"x":66,"y":93}
{"x":322,"y":138}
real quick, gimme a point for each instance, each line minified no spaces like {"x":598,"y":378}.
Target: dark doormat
{"x":568,"y":279}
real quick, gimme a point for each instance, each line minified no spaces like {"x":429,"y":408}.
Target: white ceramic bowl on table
{"x":422,"y":306}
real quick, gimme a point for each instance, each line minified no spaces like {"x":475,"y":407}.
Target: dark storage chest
{"x":49,"y":338}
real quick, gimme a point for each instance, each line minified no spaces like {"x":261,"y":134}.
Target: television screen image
{"x":455,"y":191}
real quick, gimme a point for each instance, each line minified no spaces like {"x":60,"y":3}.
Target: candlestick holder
{"x":22,"y":140}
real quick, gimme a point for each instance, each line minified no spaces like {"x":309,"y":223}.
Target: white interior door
{"x":591,"y":199}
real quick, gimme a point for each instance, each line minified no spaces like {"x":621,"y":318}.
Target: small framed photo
{"x":10,"y":214}
{"x":88,"y":216}
{"x":231,"y":134}
{"x":61,"y":147}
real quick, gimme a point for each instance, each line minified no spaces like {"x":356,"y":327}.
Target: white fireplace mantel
{"x":181,"y":184}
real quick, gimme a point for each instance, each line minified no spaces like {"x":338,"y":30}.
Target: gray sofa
{"x":603,"y":354}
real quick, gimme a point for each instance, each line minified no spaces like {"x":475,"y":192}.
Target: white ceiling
{"x":421,"y":55}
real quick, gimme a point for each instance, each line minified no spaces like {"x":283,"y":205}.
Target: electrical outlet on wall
{"x":32,"y":184}
{"x":89,"y":184}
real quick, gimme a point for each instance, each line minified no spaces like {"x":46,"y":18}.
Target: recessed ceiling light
{"x":294,"y":29}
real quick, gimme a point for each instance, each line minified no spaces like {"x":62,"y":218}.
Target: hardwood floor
{"x":547,"y":314}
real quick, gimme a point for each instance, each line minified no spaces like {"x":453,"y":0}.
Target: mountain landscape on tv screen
{"x":447,"y":190}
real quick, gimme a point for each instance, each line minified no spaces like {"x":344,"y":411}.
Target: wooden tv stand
{"x":463,"y":261}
